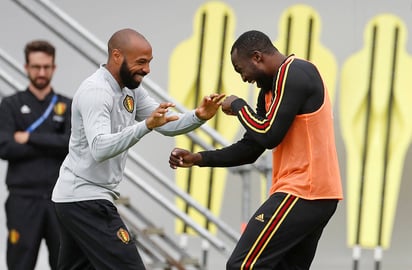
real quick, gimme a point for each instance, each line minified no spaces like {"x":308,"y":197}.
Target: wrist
{"x":198,"y":114}
{"x":148,"y":126}
{"x":197,"y":159}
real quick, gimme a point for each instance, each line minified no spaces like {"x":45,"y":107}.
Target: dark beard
{"x":45,"y":83}
{"x":127,"y":77}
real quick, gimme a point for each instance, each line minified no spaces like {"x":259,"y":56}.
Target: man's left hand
{"x":210,"y":105}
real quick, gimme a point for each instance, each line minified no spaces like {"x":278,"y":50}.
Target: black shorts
{"x":282,"y":234}
{"x":93,"y":236}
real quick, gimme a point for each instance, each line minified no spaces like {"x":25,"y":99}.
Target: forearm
{"x":49,"y":140}
{"x":10,"y":150}
{"x":187,"y":122}
{"x":242,"y":152}
{"x":105,"y":146}
{"x":268,"y":130}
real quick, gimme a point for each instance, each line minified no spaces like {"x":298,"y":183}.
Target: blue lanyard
{"x":41,"y":119}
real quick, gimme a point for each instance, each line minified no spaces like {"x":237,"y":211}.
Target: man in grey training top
{"x":104,"y":113}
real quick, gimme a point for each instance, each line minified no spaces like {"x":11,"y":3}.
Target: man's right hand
{"x":158,"y":117}
{"x":21,"y":137}
{"x":183,"y":158}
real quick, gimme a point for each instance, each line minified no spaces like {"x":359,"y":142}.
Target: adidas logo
{"x":260,"y":218}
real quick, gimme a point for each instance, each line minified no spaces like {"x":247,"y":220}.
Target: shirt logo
{"x":123,"y":235}
{"x":25,"y":109}
{"x":60,"y":108}
{"x":260,"y":218}
{"x":128,"y":103}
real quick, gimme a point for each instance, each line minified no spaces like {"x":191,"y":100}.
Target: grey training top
{"x":104,"y":127}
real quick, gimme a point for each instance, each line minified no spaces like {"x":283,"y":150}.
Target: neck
{"x":40,"y":94}
{"x":115,"y":73}
{"x":280,"y":58}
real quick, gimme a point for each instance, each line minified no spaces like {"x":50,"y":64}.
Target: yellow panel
{"x":188,"y":86}
{"x":381,"y":165}
{"x":299,"y":33}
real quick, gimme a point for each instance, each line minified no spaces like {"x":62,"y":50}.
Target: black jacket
{"x":33,"y":168}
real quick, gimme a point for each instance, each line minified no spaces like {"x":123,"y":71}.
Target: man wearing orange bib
{"x":293,"y":118}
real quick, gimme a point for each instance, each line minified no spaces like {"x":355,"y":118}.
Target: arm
{"x":92,"y":109}
{"x":106,"y":136}
{"x":195,"y":118}
{"x":9,"y":149}
{"x":293,"y":96}
{"x":245,"y":151}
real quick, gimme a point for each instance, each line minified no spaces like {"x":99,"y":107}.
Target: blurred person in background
{"x":34,"y":136}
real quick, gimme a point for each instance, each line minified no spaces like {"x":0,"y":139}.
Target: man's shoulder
{"x":14,"y":97}
{"x":301,"y":62}
{"x":303,"y":66}
{"x":63,"y":97}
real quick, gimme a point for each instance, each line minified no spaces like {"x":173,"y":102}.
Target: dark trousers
{"x":283,"y":234}
{"x":29,"y":220}
{"x":93,"y":236}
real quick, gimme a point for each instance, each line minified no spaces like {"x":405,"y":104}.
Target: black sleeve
{"x":245,"y":151}
{"x":40,"y":144}
{"x":290,"y":97}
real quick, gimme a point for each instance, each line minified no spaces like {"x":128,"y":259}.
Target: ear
{"x":117,"y":56}
{"x":257,"y":56}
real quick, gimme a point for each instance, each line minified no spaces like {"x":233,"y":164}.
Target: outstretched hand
{"x":183,"y":158}
{"x":209,"y":106}
{"x":158,"y":117}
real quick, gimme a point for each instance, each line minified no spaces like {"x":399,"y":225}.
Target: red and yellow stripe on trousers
{"x":269,"y":231}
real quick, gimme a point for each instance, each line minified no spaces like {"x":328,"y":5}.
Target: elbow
{"x":270,"y":143}
{"x":97,"y":156}
{"x":249,"y":159}
{"x":95,"y":151}
{"x":4,"y":152}
{"x":251,"y":155}
{"x":253,"y":159}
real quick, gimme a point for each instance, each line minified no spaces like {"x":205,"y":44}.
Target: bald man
{"x":111,"y":112}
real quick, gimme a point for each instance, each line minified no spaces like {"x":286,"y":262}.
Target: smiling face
{"x":129,"y":59}
{"x":251,"y":69}
{"x":135,"y":65}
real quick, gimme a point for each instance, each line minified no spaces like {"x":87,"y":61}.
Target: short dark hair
{"x":39,"y":46}
{"x":251,"y":41}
